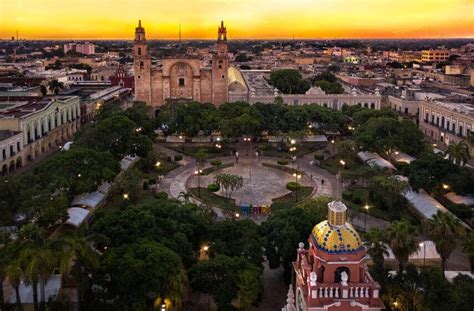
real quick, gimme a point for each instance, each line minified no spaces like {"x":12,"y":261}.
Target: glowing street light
{"x":423,"y":244}
{"x":79,"y":175}
{"x":445,"y":187}
{"x":198,"y":173}
{"x":366,"y":208}
{"x":293,"y":141}
{"x":125,"y":196}
{"x":205,"y":248}
{"x":237,"y":215}
{"x":296,"y":176}
{"x":342,"y":162}
{"x":157,"y":164}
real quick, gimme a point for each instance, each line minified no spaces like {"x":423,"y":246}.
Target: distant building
{"x":434,"y":55}
{"x":332,"y":273}
{"x":121,"y":78}
{"x":83,"y":48}
{"x":180,"y":79}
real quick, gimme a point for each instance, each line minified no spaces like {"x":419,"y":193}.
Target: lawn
{"x":191,"y":150}
{"x":303,"y":193}
{"x":270,"y":150}
{"x":284,"y":168}
{"x":214,"y":199}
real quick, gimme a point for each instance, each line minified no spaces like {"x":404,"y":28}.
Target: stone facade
{"x":180,"y":79}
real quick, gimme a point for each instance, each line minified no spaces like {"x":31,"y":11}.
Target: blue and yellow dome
{"x":336,"y":235}
{"x":341,"y":239}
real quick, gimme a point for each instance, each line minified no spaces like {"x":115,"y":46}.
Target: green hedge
{"x":178,"y":157}
{"x":282,"y":162}
{"x":212,"y":169}
{"x":216,"y":162}
{"x":213,"y":187}
{"x":293,"y":186}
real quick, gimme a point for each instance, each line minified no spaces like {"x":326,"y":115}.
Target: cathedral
{"x":182,"y":78}
{"x":331,"y":275}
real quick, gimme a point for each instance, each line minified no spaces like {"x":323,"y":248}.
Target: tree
{"x":229,"y":183}
{"x":283,"y":231}
{"x":37,"y":262}
{"x":130,"y":183}
{"x":77,"y":254}
{"x":289,"y":81}
{"x":387,"y":191}
{"x":445,"y":230}
{"x":458,"y":152}
{"x":250,"y":287}
{"x":201,"y":155}
{"x":140,"y":269}
{"x":15,"y":276}
{"x":55,"y":86}
{"x":375,"y":241}
{"x":468,"y":248}
{"x":327,"y":81}
{"x":219,"y":277}
{"x":403,"y":240}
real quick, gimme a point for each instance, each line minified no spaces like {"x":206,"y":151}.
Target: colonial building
{"x":331,"y":274}
{"x":35,"y":125}
{"x":180,"y":79}
{"x":446,"y":122}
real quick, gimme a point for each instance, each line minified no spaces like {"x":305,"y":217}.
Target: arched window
{"x":338,"y":272}
{"x":139,"y":49}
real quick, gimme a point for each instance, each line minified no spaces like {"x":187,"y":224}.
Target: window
{"x":18,"y":148}
{"x":223,"y":76}
{"x":141,"y":65}
{"x":181,"y":81}
{"x":11,"y":151}
{"x":139,"y":49}
{"x":4,"y":154}
{"x":406,"y":110}
{"x":461,"y":130}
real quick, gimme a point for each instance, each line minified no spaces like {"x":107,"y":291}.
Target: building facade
{"x":434,"y":56}
{"x":180,"y":79}
{"x":445,"y":122}
{"x":43,"y":124}
{"x":332,"y":274}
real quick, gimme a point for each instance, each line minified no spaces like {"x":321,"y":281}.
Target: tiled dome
{"x":336,"y":239}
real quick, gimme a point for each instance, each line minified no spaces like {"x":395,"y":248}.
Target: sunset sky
{"x":116,"y":19}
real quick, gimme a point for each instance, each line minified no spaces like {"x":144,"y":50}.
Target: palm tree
{"x":55,"y":86}
{"x":403,"y":239}
{"x":37,"y":263}
{"x":458,"y":152}
{"x":468,"y":248}
{"x":15,"y":275}
{"x":77,"y":252}
{"x":377,"y":249}
{"x":445,"y":230}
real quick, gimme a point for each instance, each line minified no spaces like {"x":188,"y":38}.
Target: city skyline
{"x":301,"y":19}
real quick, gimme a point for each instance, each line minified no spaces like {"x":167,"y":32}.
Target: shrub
{"x":168,"y":158}
{"x":161,"y":195}
{"x":213,"y":187}
{"x":178,"y":157}
{"x":347,"y":195}
{"x":152,"y":181}
{"x":293,"y":186}
{"x":216,"y":162}
{"x":145,"y":185}
{"x":360,"y":196}
{"x":283,"y":162}
{"x":319,"y":157}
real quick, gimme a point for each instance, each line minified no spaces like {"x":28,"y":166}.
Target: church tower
{"x":220,"y":65}
{"x":141,"y":66}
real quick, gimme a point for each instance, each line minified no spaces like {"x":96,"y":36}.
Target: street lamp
{"x":445,"y":187}
{"x":249,"y":139}
{"x":366,"y":208}
{"x":125,"y":196}
{"x":423,"y":244}
{"x":198,"y":173}
{"x":237,"y":215}
{"x":157,"y":164}
{"x":296,"y":176}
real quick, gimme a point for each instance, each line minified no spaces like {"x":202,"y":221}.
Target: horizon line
{"x":241,"y":39}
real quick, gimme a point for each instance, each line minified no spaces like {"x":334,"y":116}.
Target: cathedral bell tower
{"x":220,"y":65}
{"x":141,"y":66}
